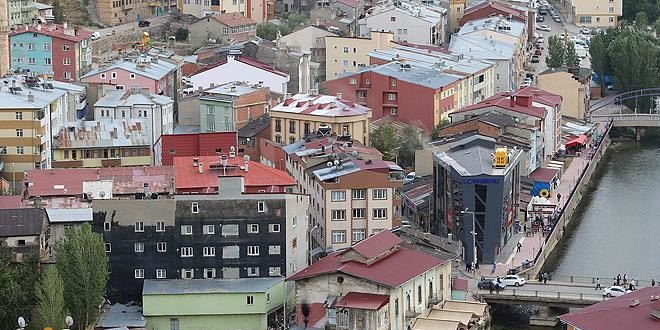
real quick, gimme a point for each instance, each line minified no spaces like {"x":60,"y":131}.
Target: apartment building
{"x":302,"y":114}
{"x":352,"y":190}
{"x":225,"y":28}
{"x":310,"y":39}
{"x":60,"y":51}
{"x":231,"y":106}
{"x":455,"y":12}
{"x":597,"y":13}
{"x":194,"y":144}
{"x":248,"y":70}
{"x":20,"y":12}
{"x":350,"y":54}
{"x":255,"y":10}
{"x":408,"y":21}
{"x":223,"y":236}
{"x":573,"y":84}
{"x":116,"y":12}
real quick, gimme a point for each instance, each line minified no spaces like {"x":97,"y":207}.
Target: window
{"x":102,"y":75}
{"x":47,"y":47}
{"x":20,"y":150}
{"x":160,"y":273}
{"x":66,"y":61}
{"x":132,"y":76}
{"x":208,"y":251}
{"x":344,"y":63}
{"x":209,"y":272}
{"x":160,"y":226}
{"x":292,"y":127}
{"x":338,"y":236}
{"x":274,"y":228}
{"x":338,"y":215}
{"x":32,"y":60}
{"x":362,"y":94}
{"x":108,"y":247}
{"x":611,"y":9}
{"x":392,"y":19}
{"x":208,"y":229}
{"x":394,"y":111}
{"x":274,"y":249}
{"x":379,"y":194}
{"x":174,"y":324}
{"x":187,"y":251}
{"x":278,"y":139}
{"x":358,"y":213}
{"x":187,"y":273}
{"x":274,"y":271}
{"x":230,"y":252}
{"x":278,"y":125}
{"x":229,"y":230}
{"x":253,"y":271}
{"x":139,"y":227}
{"x":391,"y":96}
{"x":19,"y":132}
{"x":161,"y":246}
{"x":138,"y":247}
{"x":253,"y":228}
{"x":19,"y":116}
{"x":186,"y":229}
{"x":249,"y":299}
{"x":65,"y":47}
{"x":359,"y":193}
{"x":225,"y":31}
{"x":106,"y":225}
{"x":346,"y":50}
{"x":3,"y":151}
{"x":253,"y":250}
{"x":66,"y":75}
{"x":352,"y":81}
{"x":380,"y":214}
{"x":139,"y":273}
{"x":338,"y":195}
{"x":113,"y":75}
{"x":306,"y":125}
{"x":194,"y":207}
{"x":611,"y":19}
{"x":358,"y":235}
{"x":261,"y":207}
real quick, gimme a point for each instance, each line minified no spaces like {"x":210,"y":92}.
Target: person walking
{"x":598,"y":287}
{"x":519,"y":246}
{"x":492,"y":270}
{"x":558,"y":198}
{"x":476,"y":265}
{"x":652,"y":282}
{"x":545,"y":278}
{"x":625,"y":279}
{"x":490,"y":287}
{"x":618,"y":280}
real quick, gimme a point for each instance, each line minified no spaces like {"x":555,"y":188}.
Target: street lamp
{"x":474,"y":236}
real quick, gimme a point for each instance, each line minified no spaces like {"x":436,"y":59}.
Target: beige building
{"x":253,"y":9}
{"x":597,"y":13}
{"x":302,"y":114}
{"x":115,"y":12}
{"x":456,"y":11}
{"x":309,"y":40}
{"x":348,"y":55}
{"x":573,"y":86}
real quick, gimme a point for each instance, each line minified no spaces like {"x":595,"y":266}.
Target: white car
{"x":513,"y":280}
{"x":585,"y":31}
{"x":96,"y":35}
{"x":615,"y":291}
{"x":543,"y":28}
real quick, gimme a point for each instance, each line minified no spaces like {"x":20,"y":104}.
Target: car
{"x":585,"y":31}
{"x":540,"y":19}
{"x":144,"y":23}
{"x":96,"y":35}
{"x":543,"y":11}
{"x":556,"y":19}
{"x":615,"y":291}
{"x":410,"y":177}
{"x":538,"y":52}
{"x":484,"y":283}
{"x":536,"y":59}
{"x":513,"y":280}
{"x":543,"y":28}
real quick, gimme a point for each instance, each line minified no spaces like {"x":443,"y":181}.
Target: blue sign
{"x":481,"y":181}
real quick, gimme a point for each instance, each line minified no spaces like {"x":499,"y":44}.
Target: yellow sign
{"x":48,"y":328}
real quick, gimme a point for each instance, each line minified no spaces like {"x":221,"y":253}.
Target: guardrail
{"x":605,"y":281}
{"x":548,"y":294}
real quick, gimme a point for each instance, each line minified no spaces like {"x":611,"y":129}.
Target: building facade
{"x":24,"y":232}
{"x":249,"y":70}
{"x":572,"y":84}
{"x":454,"y":14}
{"x":411,"y":22}
{"x":116,"y":12}
{"x":348,"y":55}
{"x":20,"y":12}
{"x":231,"y":106}
{"x":225,"y":28}
{"x":312,"y":40}
{"x":597,"y":13}
{"x":255,"y":10}
{"x":191,"y":145}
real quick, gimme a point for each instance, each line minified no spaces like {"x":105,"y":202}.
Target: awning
{"x":579,"y":140}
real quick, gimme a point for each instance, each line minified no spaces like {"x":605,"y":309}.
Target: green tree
{"x":269,"y":30}
{"x":50,"y":300}
{"x":58,"y":12}
{"x":556,"y":52}
{"x":384,"y":139}
{"x":437,"y":128}
{"x":17,"y":281}
{"x":294,"y":21}
{"x":83,"y":265}
{"x":641,"y":21}
{"x":600,"y":60}
{"x":410,"y":141}
{"x":181,"y":34}
{"x":572,"y":59}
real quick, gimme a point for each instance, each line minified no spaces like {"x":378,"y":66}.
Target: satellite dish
{"x":90,"y":195}
{"x":102,"y":194}
{"x":355,"y":153}
{"x":21,"y":322}
{"x":246,"y":158}
{"x":329,"y":164}
{"x":232,"y":148}
{"x":68,"y":320}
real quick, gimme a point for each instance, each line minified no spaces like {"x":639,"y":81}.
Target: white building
{"x":244,"y":69}
{"x":410,"y":22}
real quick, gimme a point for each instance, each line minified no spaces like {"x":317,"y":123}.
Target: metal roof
{"x":156,"y":71}
{"x":431,"y":59}
{"x":481,"y":48}
{"x":106,"y":133}
{"x":182,"y":286}
{"x":19,"y":99}
{"x":416,"y":74}
{"x":69,"y":215}
{"x":119,"y":315}
{"x":494,"y":24}
{"x":131,"y":98}
{"x":21,"y":222}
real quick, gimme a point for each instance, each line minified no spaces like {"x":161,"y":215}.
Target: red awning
{"x":579,"y":140}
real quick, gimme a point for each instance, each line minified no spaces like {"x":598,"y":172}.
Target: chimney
{"x":339,"y":96}
{"x":211,"y":85}
{"x":195,"y":162}
{"x":30,"y":97}
{"x":65,"y":25}
{"x":200,"y":168}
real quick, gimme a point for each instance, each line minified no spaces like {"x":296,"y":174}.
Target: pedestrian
{"x":598,"y":287}
{"x":492,"y":270}
{"x":467,"y":266}
{"x":490,"y":287}
{"x":618,"y":280}
{"x":540,"y":277}
{"x":519,"y":246}
{"x":476,"y":265}
{"x":631,"y":287}
{"x":625,"y":279}
{"x":498,"y":287}
{"x":558,"y":197}
{"x":652,"y":282}
{"x":545,"y":278}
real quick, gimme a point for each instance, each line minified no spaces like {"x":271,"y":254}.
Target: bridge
{"x":612,"y":109}
{"x":543,"y":295}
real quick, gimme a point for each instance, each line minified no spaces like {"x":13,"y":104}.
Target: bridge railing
{"x":586,"y":280}
{"x":551,"y":295}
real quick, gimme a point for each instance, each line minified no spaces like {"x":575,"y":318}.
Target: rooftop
{"x":617,"y":314}
{"x":183,"y":286}
{"x":581,"y":74}
{"x":234,"y":19}
{"x":254,"y":127}
{"x":473,"y":156}
{"x":427,"y":243}
{"x":351,"y":164}
{"x":543,"y":174}
{"x":398,"y":126}
{"x":481,"y":48}
{"x":65,"y":32}
{"x":118,"y":315}
{"x":146,"y":66}
{"x":69,"y":215}
{"x":433,"y":324}
{"x":245,"y":60}
{"x":360,"y":300}
{"x":429,"y":13}
{"x":438,"y":60}
{"x":130,"y":98}
{"x":396,"y":265}
{"x":497,"y":6}
{"x":233,"y":89}
{"x":105,"y":133}
{"x":517,"y":102}
{"x":484,"y":26}
{"x":321,"y":105}
{"x":21,"y":222}
{"x":416,"y":74}
{"x":15,"y":92}
{"x":325,"y":145}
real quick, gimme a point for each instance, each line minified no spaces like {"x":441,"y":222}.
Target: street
{"x":132,"y":26}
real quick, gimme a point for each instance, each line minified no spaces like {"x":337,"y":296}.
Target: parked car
{"x":536,"y":59}
{"x":585,"y":31}
{"x":540,"y":19}
{"x":144,"y":23}
{"x":543,"y":28}
{"x":410,"y":177}
{"x":615,"y":291}
{"x":513,"y":280}
{"x":543,"y":11}
{"x":537,"y":52}
{"x":96,"y":35}
{"x":484,"y":283}
{"x":556,"y":19}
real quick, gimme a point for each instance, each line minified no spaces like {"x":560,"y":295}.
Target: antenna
{"x":68,"y":320}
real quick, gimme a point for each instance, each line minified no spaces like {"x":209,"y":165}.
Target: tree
{"x":383,"y":139}
{"x":58,"y":12}
{"x":181,"y":34}
{"x":83,"y":266}
{"x":294,"y":21}
{"x":17,"y":281}
{"x":600,"y":60}
{"x":410,"y":141}
{"x":641,"y":21}
{"x":556,"y":52}
{"x":572,"y":59}
{"x":50,"y":300}
{"x":444,"y":122}
{"x":269,"y":30}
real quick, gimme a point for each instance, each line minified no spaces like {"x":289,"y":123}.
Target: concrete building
{"x":304,"y":69}
{"x":597,"y":13}
{"x":492,"y":9}
{"x":44,"y":12}
{"x":116,"y":12}
{"x":256,"y":10}
{"x":381,"y":280}
{"x":409,"y":21}
{"x":231,"y":106}
{"x":348,"y":55}
{"x":24,"y":231}
{"x":466,"y":177}
{"x":310,"y":40}
{"x":21,"y":12}
{"x":225,"y":304}
{"x":303,"y":114}
{"x":195,"y":144}
{"x":59,"y":220}
{"x":5,"y":61}
{"x":60,"y":51}
{"x":572,"y":84}
{"x":225,"y":28}
{"x":455,"y":12}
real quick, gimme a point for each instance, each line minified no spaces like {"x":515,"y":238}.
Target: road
{"x":132,"y":27}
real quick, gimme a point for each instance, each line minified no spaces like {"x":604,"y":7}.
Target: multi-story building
{"x":303,"y":114}
{"x":44,"y":12}
{"x":348,"y":55}
{"x":194,"y":144}
{"x":60,"y":51}
{"x":408,"y":21}
{"x":474,"y":193}
{"x":115,"y":12}
{"x":25,"y":232}
{"x":310,"y":39}
{"x":231,"y":106}
{"x":492,"y":9}
{"x":20,"y":12}
{"x":597,"y":13}
{"x":528,"y":105}
{"x":255,"y":10}
{"x":226,"y":28}
{"x":228,"y":235}
{"x":572,"y":84}
{"x":61,"y":219}
{"x":456,"y":10}
{"x":352,"y":190}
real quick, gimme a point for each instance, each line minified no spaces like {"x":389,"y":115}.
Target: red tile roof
{"x":543,"y":174}
{"x":57,"y":32}
{"x":496,"y":7}
{"x":248,"y":61}
{"x":503,"y":100}
{"x":616,"y":313}
{"x":377,"y":244}
{"x":199,"y":144}
{"x":397,"y":268}
{"x":258,"y":175}
{"x":11,"y":202}
{"x":126,"y":180}
{"x":363,"y":301}
{"x":234,"y":19}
